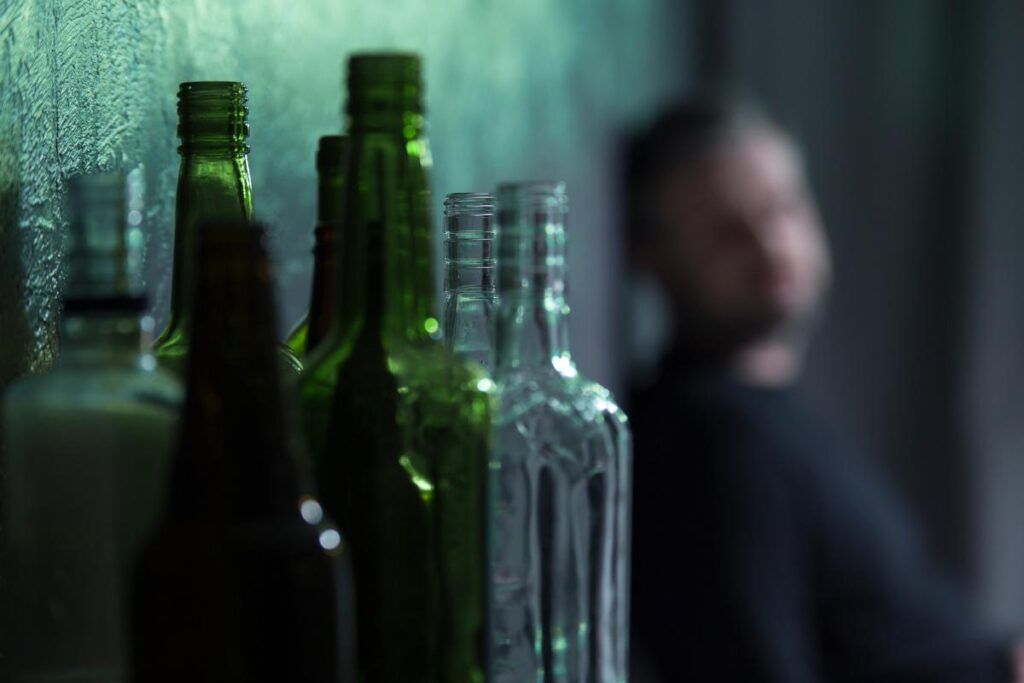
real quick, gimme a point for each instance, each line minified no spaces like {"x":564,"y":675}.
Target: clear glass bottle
{"x":243,"y":580}
{"x":85,"y":459}
{"x":470,"y":293}
{"x":560,"y":510}
{"x":403,"y":464}
{"x":213,"y":184}
{"x":331,"y":157}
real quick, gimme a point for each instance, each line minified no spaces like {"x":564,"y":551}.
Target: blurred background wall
{"x":909,"y":113}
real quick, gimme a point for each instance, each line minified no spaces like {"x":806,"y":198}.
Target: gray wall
{"x":910,"y":115}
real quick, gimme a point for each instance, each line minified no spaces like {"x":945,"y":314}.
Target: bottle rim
{"x":331,"y":153}
{"x":469,"y":204}
{"x":549,"y":194}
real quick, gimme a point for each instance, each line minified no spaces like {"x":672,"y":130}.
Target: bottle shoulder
{"x":97,"y":391}
{"x":560,"y":397}
{"x":426,"y":373}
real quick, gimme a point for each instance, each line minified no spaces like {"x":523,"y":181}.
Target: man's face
{"x":741,"y":243}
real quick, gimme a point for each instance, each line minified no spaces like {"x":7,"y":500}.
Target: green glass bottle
{"x":331,"y":157}
{"x":404,"y":464}
{"x":241,"y":581}
{"x":85,"y":458}
{"x":213,"y":184}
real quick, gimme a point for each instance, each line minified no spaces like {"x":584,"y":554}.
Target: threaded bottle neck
{"x":469,"y":233}
{"x":213,"y":118}
{"x":385,"y":92}
{"x":532,"y":322}
{"x":532,"y":244}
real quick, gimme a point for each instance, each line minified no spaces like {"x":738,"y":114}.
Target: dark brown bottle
{"x":331,"y":157}
{"x":240,"y":582}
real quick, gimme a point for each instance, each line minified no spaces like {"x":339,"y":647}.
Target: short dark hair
{"x":681,"y":134}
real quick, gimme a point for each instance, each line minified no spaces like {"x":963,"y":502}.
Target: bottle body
{"x":86,"y":449}
{"x":403,"y":463}
{"x":561,"y":467}
{"x":244,"y":579}
{"x":86,"y":455}
{"x":561,"y":502}
{"x":239,"y":599}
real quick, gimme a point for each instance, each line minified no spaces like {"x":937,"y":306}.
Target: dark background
{"x":909,"y":113}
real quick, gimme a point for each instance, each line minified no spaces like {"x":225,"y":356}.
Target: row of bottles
{"x":435,"y":512}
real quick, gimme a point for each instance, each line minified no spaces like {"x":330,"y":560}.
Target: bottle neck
{"x":386,"y":265}
{"x":532,"y":329}
{"x":104,"y":338}
{"x":323,"y":299}
{"x":470,"y":292}
{"x":212,"y":184}
{"x":234,"y":455}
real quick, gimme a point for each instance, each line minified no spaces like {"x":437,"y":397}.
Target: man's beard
{"x":708,"y":337}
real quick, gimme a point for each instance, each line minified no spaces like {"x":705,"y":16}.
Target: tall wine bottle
{"x":85,"y":460}
{"x":243,"y":580}
{"x":400,"y":427}
{"x":561,"y":503}
{"x":213,"y":184}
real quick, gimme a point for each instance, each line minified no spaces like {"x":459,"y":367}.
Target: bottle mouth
{"x":401,"y":68}
{"x":469,"y":203}
{"x":213,"y":113}
{"x":331,"y":153}
{"x":469,"y":228}
{"x":384,"y":83}
{"x":533,"y":195}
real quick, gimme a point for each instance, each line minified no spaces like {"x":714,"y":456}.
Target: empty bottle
{"x":562,"y":460}
{"x":86,"y":454}
{"x":403,"y":462}
{"x":243,"y":580}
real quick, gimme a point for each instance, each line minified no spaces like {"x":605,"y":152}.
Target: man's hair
{"x":681,"y":134}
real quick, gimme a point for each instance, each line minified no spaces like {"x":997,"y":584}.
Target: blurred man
{"x":762,"y":552}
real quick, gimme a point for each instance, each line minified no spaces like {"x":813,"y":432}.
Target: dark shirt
{"x":763,"y":552}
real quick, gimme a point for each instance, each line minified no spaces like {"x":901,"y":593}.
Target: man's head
{"x":722,"y":217}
